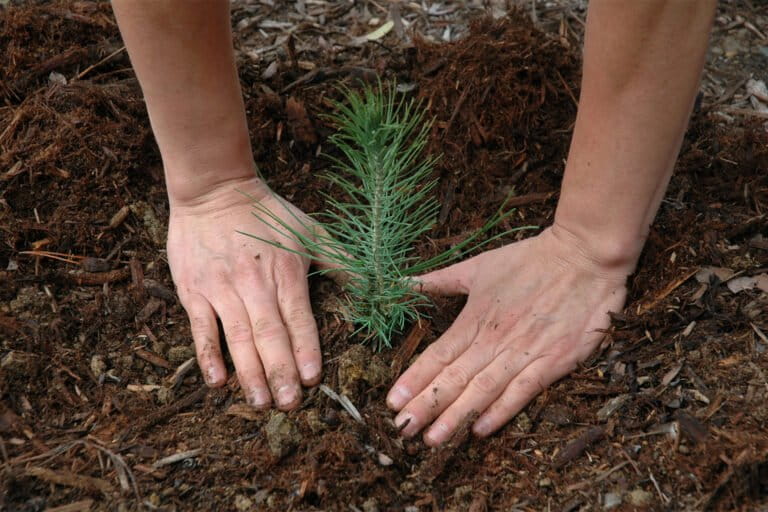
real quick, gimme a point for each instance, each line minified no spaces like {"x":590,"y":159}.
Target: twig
{"x":102,"y":61}
{"x":177,"y":457}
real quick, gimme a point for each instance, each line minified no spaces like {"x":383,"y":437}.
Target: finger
{"x":432,"y":361}
{"x":534,"y":379}
{"x":205,"y":333}
{"x":446,"y":387}
{"x":272,"y":341}
{"x":453,"y":280}
{"x":248,"y":365}
{"x":480,"y":392}
{"x":296,"y":312}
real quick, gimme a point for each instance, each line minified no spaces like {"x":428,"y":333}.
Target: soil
{"x":102,"y":406}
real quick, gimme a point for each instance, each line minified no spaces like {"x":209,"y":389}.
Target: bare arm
{"x":642,"y":66}
{"x":536,"y":308}
{"x":182,"y":53}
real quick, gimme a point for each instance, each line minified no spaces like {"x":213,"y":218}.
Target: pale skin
{"x":535,"y":308}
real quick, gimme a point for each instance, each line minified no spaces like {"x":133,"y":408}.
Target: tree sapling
{"x":386,"y":204}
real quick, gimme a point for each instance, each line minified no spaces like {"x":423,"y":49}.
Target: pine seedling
{"x":385,"y":205}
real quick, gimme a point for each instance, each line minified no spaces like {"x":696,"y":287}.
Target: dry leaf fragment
{"x":723,"y":274}
{"x":740,"y":284}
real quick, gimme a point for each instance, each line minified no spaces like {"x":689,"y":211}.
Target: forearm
{"x":642,"y":65}
{"x":182,"y":54}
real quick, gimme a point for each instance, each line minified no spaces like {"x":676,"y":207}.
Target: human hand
{"x":535,"y":309}
{"x":259,"y":292}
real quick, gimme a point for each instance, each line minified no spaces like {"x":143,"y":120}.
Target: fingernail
{"x":259,"y":398}
{"x":286,"y":395}
{"x":398,"y":397}
{"x":482,"y":427}
{"x":310,"y":371}
{"x":212,"y":377}
{"x":405,"y":424}
{"x":437,"y":434}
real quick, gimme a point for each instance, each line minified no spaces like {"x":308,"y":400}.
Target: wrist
{"x":610,"y":253}
{"x":222,"y":189}
{"x":193,"y":173}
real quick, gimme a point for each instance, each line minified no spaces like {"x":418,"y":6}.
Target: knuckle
{"x":456,"y":376}
{"x":443,"y":353}
{"x":238,"y":334}
{"x":485,"y":383}
{"x":288,"y":266}
{"x":268,"y":329}
{"x":299,"y":317}
{"x":200,"y":326}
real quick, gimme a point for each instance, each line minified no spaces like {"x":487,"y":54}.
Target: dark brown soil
{"x":671,"y":414}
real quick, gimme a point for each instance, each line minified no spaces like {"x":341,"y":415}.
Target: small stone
{"x":180,"y":353}
{"x":384,"y":459}
{"x":640,"y":497}
{"x":683,"y":449}
{"x":523,"y":422}
{"x":282,"y":434}
{"x":370,"y":505}
{"x":611,"y":500}
{"x":545,"y":482}
{"x":411,"y":508}
{"x":242,"y":502}
{"x":98,"y":365}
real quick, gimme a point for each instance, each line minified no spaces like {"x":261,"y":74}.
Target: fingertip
{"x":288,"y":397}
{"x":259,"y":398}
{"x":215,"y":375}
{"x":437,"y":434}
{"x":310,"y":374}
{"x":483,"y":427}
{"x":398,"y":397}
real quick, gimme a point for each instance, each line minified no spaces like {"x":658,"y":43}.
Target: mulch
{"x":101,"y":408}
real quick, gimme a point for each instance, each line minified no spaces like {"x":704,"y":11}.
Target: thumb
{"x":453,"y":280}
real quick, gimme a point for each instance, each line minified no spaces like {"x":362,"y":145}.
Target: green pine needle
{"x":389,"y":205}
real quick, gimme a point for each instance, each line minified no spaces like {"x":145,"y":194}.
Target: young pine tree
{"x":386,"y":205}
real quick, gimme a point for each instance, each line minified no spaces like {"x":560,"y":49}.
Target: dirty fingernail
{"x":437,"y":434}
{"x":212,"y":376}
{"x":398,"y":397}
{"x":310,"y":371}
{"x":286,"y":395}
{"x":259,"y":398}
{"x":405,"y":424}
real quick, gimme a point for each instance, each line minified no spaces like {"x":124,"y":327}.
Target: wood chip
{"x":76,"y":506}
{"x":576,"y":447}
{"x":68,"y":479}
{"x":245,"y":411}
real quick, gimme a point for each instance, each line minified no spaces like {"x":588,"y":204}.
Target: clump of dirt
{"x":496,"y":97}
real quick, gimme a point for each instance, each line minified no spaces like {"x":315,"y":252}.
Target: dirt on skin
{"x":96,"y":385}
